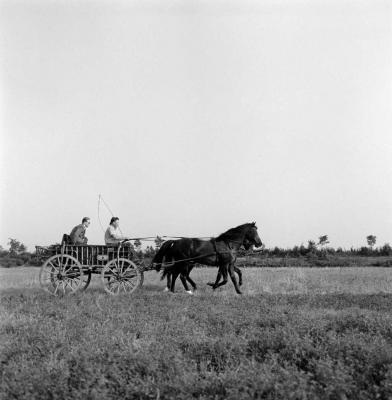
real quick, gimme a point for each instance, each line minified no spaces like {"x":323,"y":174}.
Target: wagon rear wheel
{"x":121,"y":275}
{"x":63,"y":274}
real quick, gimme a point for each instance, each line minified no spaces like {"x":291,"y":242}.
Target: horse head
{"x":252,"y":237}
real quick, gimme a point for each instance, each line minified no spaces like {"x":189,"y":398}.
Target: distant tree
{"x":311,"y":245}
{"x":158,"y":242}
{"x":386,"y":250}
{"x":302,"y":250}
{"x":364,"y":251}
{"x":3,"y":251}
{"x":278,"y":252}
{"x":295,"y":251}
{"x":323,"y":241}
{"x":16,"y":247}
{"x":371,"y":241}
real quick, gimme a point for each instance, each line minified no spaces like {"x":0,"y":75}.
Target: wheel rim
{"x":62,"y":274}
{"x":120,"y":276}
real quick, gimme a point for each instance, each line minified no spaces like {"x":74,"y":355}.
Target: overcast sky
{"x":191,"y":117}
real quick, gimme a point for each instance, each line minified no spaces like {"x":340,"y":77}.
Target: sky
{"x":192,"y":117}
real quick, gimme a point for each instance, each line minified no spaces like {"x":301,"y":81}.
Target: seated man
{"x":113,"y":234}
{"x":78,"y":233}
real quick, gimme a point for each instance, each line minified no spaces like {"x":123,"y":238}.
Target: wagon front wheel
{"x":62,"y":273}
{"x":121,"y":275}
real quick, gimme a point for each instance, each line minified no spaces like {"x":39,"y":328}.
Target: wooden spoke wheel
{"x":121,"y":275}
{"x":63,"y":274}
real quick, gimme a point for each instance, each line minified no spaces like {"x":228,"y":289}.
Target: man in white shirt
{"x":113,"y":234}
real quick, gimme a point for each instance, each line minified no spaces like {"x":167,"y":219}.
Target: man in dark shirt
{"x":78,"y":233}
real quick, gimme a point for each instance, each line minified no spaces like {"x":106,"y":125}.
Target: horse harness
{"x":218,"y":254}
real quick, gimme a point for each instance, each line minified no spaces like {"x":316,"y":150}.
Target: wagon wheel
{"x":121,"y":275}
{"x":63,"y":274}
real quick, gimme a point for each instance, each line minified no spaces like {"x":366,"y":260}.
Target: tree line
{"x":321,"y":247}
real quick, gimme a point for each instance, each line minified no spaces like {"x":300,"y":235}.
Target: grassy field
{"x":295,"y":334}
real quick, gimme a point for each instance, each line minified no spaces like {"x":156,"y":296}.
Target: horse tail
{"x":159,"y":257}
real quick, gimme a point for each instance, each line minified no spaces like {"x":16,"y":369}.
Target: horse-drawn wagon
{"x":68,"y":268}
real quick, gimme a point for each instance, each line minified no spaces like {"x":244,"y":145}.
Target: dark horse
{"x":221,"y":251}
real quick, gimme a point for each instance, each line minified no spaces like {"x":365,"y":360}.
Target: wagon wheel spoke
{"x":73,"y":274}
{"x":77,"y":280}
{"x":129,"y":285}
{"x":130,"y":274}
{"x":74,"y":282}
{"x":64,"y":264}
{"x":129,"y":281}
{"x":54,"y":267}
{"x":69,"y":283}
{"x":113,"y":285}
{"x":67,"y":269}
{"x":59,"y":264}
{"x":57,"y":286}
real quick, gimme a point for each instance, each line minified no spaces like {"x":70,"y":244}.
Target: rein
{"x":185,"y":259}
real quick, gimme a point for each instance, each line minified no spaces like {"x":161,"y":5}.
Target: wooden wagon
{"x":68,"y":268}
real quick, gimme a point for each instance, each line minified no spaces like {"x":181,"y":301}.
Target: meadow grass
{"x":256,"y":280}
{"x":294,"y":334}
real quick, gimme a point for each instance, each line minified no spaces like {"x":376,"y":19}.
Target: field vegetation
{"x":296,"y":333}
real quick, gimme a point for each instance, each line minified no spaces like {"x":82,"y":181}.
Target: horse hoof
{"x":166,"y":289}
{"x":189,"y":291}
{"x":210,"y":283}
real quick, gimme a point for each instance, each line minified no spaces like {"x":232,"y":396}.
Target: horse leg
{"x":168,"y":283}
{"x":218,"y":278}
{"x":222,"y":272}
{"x":191,"y":282}
{"x":173,"y":281}
{"x":168,"y":277}
{"x":183,"y":280}
{"x":234,"y":279}
{"x":239,"y":273}
{"x":188,"y":278}
{"x":183,"y":274}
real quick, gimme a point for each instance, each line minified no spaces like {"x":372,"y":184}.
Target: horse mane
{"x":232,"y":233}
